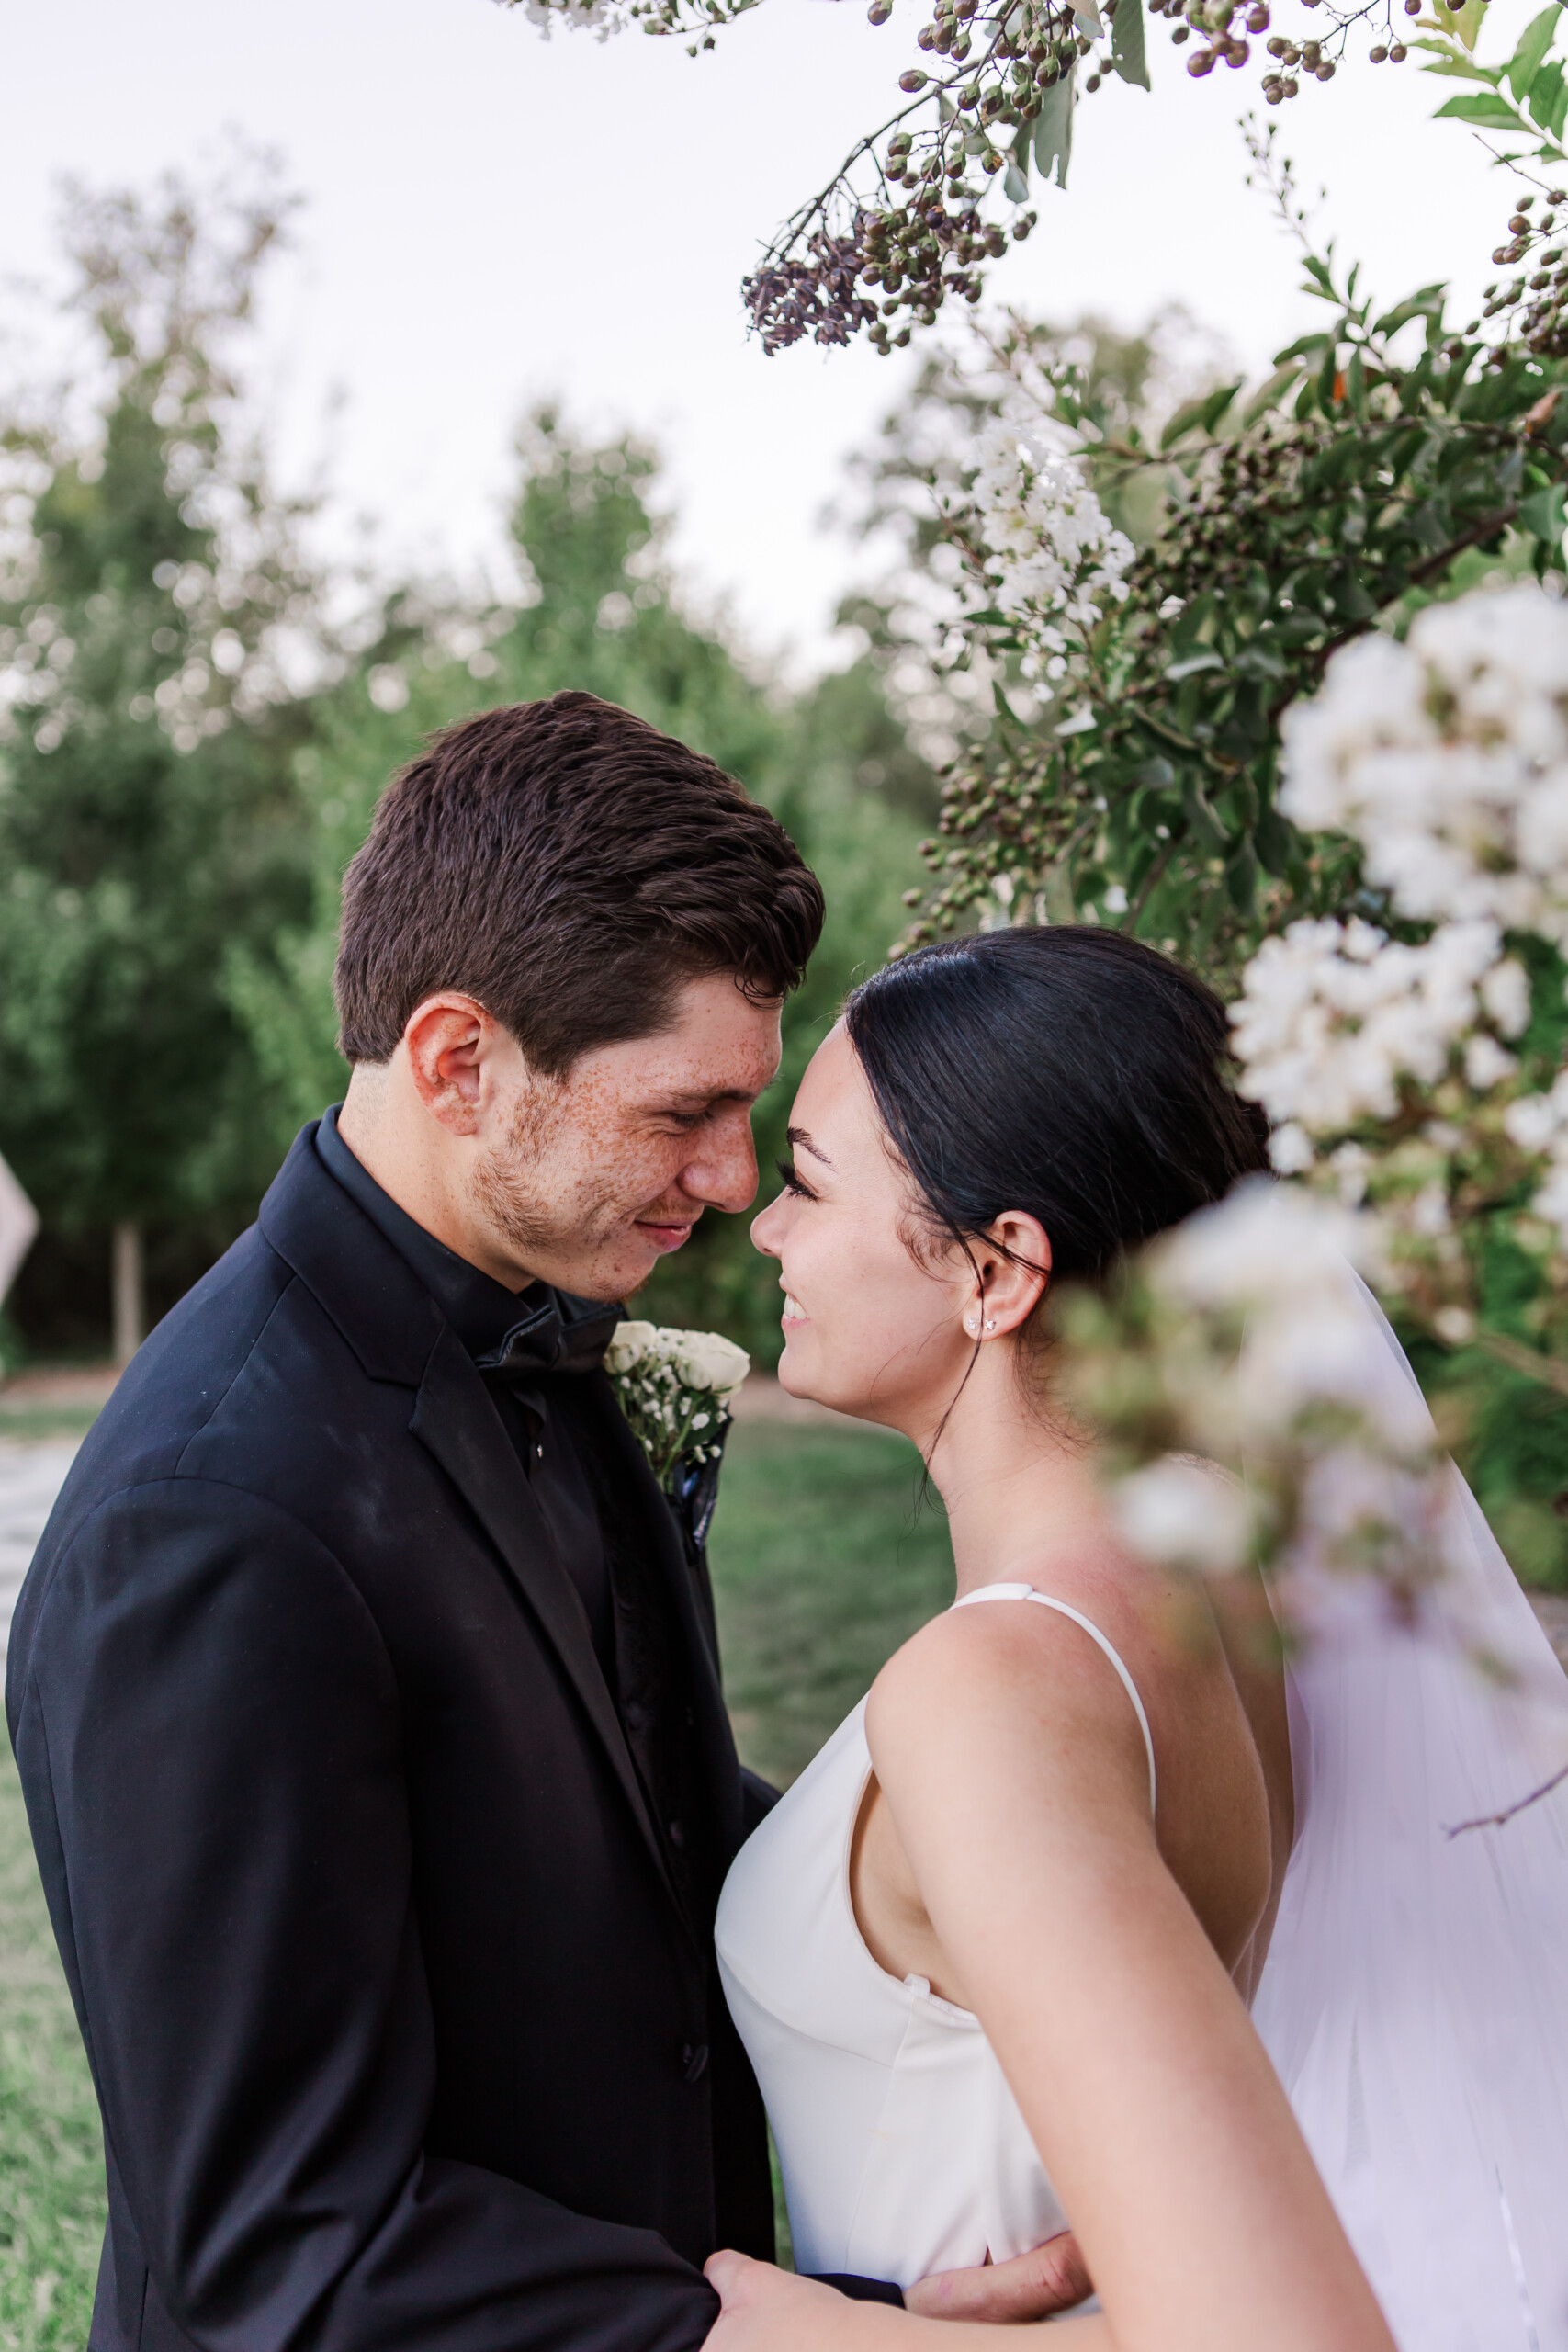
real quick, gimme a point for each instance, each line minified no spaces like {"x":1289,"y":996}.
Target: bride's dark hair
{"x":1064,"y":1071}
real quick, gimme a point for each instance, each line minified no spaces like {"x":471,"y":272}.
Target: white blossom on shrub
{"x":1047,"y":554}
{"x":1539,"y":1123}
{"x":1247,"y":1405}
{"x":1446,"y":758}
{"x":1333,"y":1015}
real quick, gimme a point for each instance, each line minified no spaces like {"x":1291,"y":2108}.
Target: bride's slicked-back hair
{"x":1064,"y":1071}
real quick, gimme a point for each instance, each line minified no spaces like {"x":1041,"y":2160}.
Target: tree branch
{"x":1552,"y":1370}
{"x":1500,"y":1820}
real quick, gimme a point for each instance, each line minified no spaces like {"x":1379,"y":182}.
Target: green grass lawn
{"x":52,"y":2164}
{"x":821,"y":1568}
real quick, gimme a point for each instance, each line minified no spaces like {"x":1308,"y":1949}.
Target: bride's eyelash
{"x":792,"y":1181}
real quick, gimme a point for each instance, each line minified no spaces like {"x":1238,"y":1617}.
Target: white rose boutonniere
{"x":675,"y":1389}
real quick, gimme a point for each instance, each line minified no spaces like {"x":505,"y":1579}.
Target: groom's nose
{"x":722,"y":1170}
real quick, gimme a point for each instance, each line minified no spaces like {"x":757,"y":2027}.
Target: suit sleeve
{"x":757,"y":1798}
{"x":209,"y":1734}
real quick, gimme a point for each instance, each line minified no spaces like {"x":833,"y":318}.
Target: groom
{"x":364,"y":1689}
{"x":364,"y":1694}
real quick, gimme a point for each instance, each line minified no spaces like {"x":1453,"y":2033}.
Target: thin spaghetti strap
{"x":1027,"y":1592}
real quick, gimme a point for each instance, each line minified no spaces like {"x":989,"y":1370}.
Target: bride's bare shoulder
{"x":1005,"y":1678}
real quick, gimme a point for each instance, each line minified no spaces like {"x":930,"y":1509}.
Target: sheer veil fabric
{"x":1414,"y":2001}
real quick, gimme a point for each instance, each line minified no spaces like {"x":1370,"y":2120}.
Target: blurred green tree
{"x":601,"y":610}
{"x":152,"y":598}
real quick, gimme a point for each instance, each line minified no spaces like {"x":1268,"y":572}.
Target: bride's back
{"x":1209,"y":1675}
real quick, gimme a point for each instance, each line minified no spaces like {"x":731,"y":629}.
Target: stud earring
{"x":990,"y":1322}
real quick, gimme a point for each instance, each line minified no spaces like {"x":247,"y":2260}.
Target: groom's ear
{"x":453,"y":1046}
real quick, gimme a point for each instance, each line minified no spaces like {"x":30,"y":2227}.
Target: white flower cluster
{"x":1052,"y":554}
{"x":1276,"y":1332}
{"x":676,"y":1388}
{"x":1333,"y":1015}
{"x":1539,"y":1123}
{"x":1446,"y":758}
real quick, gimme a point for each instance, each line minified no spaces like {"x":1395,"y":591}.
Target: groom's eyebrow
{"x":799,"y":1137}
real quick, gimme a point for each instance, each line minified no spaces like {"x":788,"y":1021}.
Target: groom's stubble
{"x":537,"y":1192}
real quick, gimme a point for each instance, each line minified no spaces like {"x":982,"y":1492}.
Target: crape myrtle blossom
{"x":1539,"y":1123}
{"x":1333,"y":1015}
{"x":1391,"y":1070}
{"x":1446,"y":758}
{"x":1041,"y":547}
{"x":1417,"y":1094}
{"x":1241,"y":1409}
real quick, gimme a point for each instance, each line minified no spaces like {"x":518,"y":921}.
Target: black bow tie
{"x":554,"y":1332}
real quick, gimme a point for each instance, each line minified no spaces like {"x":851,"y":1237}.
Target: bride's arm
{"x":766,"y":2310}
{"x":1015,"y":1777}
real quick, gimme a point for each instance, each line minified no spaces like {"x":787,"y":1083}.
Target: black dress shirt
{"x":522,"y":1343}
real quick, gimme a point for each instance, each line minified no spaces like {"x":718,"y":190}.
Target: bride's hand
{"x":1050,"y":2277}
{"x":769,"y":2310}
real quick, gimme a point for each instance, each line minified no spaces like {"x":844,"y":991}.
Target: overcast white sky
{"x":492,"y":218}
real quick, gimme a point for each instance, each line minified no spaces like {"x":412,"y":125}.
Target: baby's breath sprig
{"x":676,"y":1389}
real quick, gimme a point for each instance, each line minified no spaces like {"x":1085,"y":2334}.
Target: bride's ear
{"x":1012,"y":1264}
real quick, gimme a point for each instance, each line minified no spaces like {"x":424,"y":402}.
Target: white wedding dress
{"x":1414,"y":1999}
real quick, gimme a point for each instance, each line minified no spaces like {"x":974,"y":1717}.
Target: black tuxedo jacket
{"x":403,"y":2034}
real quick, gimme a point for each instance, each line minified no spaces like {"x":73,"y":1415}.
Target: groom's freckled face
{"x":867,"y":1323}
{"x":635,"y":1142}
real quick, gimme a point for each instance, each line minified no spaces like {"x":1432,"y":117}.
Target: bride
{"x":994,"y":1954}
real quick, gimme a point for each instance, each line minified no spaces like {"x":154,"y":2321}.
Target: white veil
{"x":1416,"y":1995}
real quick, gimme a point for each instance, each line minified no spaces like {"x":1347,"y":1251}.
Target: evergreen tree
{"x":149,"y":817}
{"x":605,"y":615}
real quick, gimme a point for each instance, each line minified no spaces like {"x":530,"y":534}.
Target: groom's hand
{"x":1050,"y":2277}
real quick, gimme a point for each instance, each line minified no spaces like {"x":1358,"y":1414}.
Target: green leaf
{"x":1464,"y":69}
{"x":1275,"y":840}
{"x":1464,"y":23}
{"x":1207,"y":659}
{"x":1549,"y":99}
{"x":1545,"y":512}
{"x":1201,"y":819}
{"x":1054,"y":131}
{"x":1241,"y":878}
{"x":1328,"y":377}
{"x":1214,"y":407}
{"x":1526,"y":59}
{"x":1300,"y":348}
{"x":1127,"y":56}
{"x":1485,"y":108}
{"x":1351,"y":601}
{"x":1269,"y":395}
{"x":1425,"y":303}
{"x":1015,"y":187}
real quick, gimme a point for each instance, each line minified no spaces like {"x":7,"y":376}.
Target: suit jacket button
{"x":694,"y":2059}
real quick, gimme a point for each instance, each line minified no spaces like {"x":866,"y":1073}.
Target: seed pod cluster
{"x":1533,"y":303}
{"x":816,"y":294}
{"x":987,"y":71}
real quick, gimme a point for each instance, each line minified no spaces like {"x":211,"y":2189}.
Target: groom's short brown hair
{"x":569,"y":868}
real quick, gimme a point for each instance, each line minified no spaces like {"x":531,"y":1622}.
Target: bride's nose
{"x":767,"y":1229}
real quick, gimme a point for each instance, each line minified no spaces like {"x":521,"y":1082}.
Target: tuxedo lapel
{"x":627,"y":1487}
{"x":455,"y":1420}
